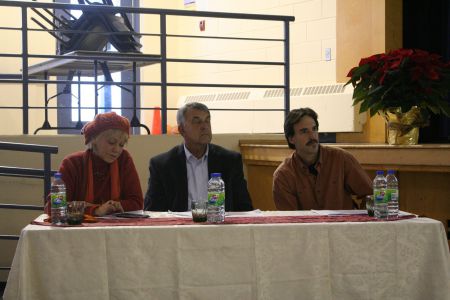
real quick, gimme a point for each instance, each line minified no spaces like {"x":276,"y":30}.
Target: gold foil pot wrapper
{"x":403,"y":127}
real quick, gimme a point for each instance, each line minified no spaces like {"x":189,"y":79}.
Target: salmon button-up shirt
{"x":339,"y":176}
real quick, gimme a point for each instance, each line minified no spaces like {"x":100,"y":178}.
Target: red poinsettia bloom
{"x":401,"y":78}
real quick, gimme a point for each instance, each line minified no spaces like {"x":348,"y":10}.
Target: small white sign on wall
{"x":190,"y":5}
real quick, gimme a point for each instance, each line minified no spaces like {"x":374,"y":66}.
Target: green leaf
{"x":445,"y":108}
{"x":361,"y":70}
{"x":373,"y":112}
{"x":375,"y":90}
{"x":364,"y":106}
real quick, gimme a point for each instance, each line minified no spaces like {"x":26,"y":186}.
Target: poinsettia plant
{"x":402,"y":78}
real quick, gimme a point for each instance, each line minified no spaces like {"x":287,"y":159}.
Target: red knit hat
{"x":102,"y":122}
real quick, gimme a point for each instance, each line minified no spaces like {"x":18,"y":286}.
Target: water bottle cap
{"x":58,"y":175}
{"x":216,"y":174}
{"x":391,"y":172}
{"x":380,"y":173}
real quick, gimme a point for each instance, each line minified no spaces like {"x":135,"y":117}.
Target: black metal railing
{"x":161,"y":58}
{"x":44,"y":173}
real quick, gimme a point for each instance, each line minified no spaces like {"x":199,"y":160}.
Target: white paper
{"x":252,"y":213}
{"x":351,"y":212}
{"x":183,"y":214}
{"x":340,"y":212}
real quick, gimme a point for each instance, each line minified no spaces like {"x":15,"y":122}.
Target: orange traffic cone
{"x":156,"y":125}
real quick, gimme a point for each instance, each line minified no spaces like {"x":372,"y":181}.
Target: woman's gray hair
{"x":181,"y":113}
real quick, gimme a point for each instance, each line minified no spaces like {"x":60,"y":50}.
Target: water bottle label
{"x":379,"y":196}
{"x":216,"y":199}
{"x":392,"y":194}
{"x":58,"y":200}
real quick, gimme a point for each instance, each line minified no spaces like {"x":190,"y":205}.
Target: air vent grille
{"x":309,"y":90}
{"x":233,"y":96}
{"x":274,"y":93}
{"x":271,"y":93}
{"x":201,"y":98}
{"x":261,"y":110}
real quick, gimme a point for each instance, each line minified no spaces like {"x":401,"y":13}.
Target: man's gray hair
{"x":181,"y":113}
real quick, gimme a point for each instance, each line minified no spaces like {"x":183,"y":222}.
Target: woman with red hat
{"x":104,"y":175}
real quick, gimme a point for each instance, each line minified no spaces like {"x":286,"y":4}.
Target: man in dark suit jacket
{"x":168,"y":185}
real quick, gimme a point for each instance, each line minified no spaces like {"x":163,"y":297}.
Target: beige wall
{"x":11,"y":94}
{"x":382,"y":27}
{"x":151,"y":96}
{"x":312,"y":32}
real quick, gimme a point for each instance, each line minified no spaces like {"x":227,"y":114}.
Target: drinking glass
{"x":370,"y":205}
{"x":75,"y":212}
{"x":199,"y":210}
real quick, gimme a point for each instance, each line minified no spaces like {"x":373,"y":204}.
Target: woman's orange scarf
{"x":115,"y":180}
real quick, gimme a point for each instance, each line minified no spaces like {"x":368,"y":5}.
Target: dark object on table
{"x":131,"y":215}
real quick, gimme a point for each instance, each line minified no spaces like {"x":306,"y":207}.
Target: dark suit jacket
{"x":168,"y":188}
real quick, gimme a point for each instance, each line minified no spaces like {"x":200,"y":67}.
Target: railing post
{"x":163,"y":73}
{"x":287,"y":85}
{"x":95,"y":86}
{"x":47,"y":175}
{"x":24,"y":71}
{"x":163,"y":14}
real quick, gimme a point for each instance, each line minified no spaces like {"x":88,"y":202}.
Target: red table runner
{"x":228,"y":220}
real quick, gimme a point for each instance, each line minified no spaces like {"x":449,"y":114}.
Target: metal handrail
{"x":28,"y":147}
{"x":163,"y":60}
{"x":44,"y":173}
{"x":21,"y":206}
{"x":143,"y":10}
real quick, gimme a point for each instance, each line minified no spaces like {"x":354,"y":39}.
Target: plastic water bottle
{"x":58,"y":200}
{"x":379,"y":199}
{"x":216,"y":199}
{"x":392,"y":194}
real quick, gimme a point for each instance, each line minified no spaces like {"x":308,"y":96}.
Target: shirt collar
{"x":189,"y":155}
{"x":316,"y":164}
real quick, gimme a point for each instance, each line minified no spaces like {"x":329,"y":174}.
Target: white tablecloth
{"x":407,"y":259}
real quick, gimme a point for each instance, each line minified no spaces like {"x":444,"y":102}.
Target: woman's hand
{"x":108,"y":207}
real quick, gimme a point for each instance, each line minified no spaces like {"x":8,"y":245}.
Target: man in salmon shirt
{"x":316,"y":176}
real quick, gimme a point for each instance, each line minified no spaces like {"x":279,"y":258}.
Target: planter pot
{"x":403,"y":127}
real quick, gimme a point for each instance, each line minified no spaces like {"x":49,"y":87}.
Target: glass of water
{"x":199,"y":210}
{"x":370,"y":205}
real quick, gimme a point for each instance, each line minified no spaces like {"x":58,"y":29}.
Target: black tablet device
{"x":131,"y":215}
